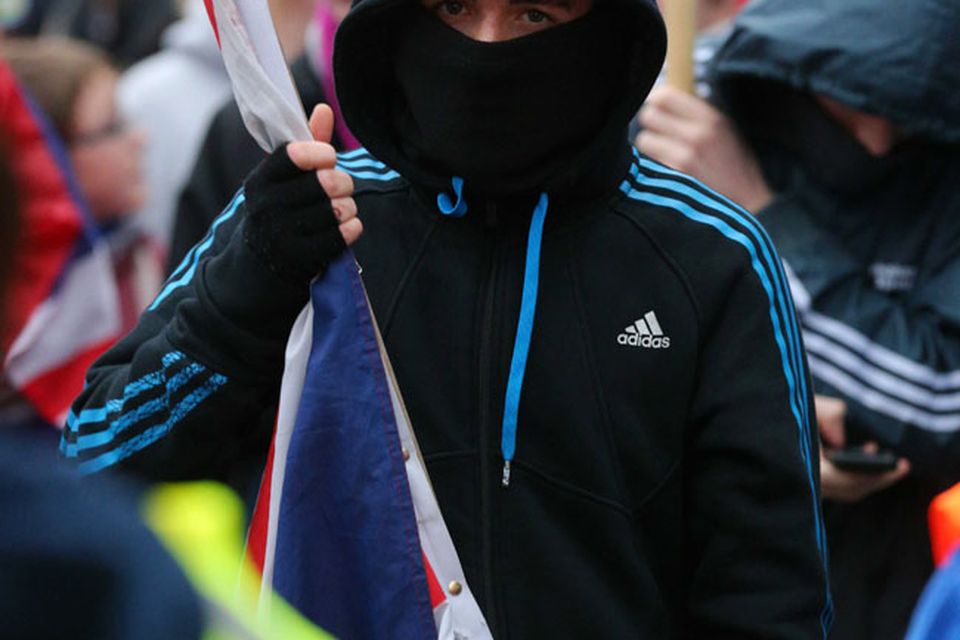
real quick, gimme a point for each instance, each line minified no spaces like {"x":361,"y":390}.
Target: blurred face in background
{"x":877,"y":135}
{"x":712,"y":13}
{"x":106,"y":154}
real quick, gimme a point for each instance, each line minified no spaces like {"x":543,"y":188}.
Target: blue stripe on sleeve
{"x":356,"y":153}
{"x":130,"y":392}
{"x":189,"y":265}
{"x":360,"y":164}
{"x":148,"y":437}
{"x":761,"y":239}
{"x":792,"y":355}
{"x":370,"y":175}
{"x":141,"y":413}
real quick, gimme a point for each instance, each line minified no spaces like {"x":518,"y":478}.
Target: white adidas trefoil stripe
{"x":874,"y":375}
{"x":645,"y":333}
{"x":878,"y":354}
{"x":879,"y":402}
{"x":878,"y":378}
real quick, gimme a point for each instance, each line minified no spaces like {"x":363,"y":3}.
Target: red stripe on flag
{"x":437,"y":595}
{"x":52,"y":392}
{"x":213,"y":19}
{"x":257,"y":534}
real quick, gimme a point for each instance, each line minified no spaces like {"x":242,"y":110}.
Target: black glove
{"x":249,"y":293}
{"x":290,"y":225}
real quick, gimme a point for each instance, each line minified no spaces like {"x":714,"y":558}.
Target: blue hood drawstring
{"x":528,"y":307}
{"x":521,"y":344}
{"x":446,"y":204}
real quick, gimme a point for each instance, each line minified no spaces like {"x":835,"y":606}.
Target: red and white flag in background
{"x":63,"y":305}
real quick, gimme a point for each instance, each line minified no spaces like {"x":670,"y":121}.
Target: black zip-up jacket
{"x":665,"y":482}
{"x":876,"y":272}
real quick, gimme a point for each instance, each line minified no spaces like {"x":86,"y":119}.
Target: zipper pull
{"x":505,"y":481}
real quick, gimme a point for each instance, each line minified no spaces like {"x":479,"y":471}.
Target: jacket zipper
{"x":486,"y":372}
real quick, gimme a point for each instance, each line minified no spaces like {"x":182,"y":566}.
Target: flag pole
{"x":681,"y":19}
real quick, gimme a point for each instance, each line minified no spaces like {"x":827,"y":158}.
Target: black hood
{"x":899,"y":59}
{"x":368,"y":94}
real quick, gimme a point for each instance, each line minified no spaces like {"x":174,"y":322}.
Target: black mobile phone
{"x":860,"y":461}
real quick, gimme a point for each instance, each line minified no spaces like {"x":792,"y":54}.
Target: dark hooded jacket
{"x":873,"y":248}
{"x":665,"y":479}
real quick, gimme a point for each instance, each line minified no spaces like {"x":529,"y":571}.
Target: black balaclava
{"x":485,"y":112}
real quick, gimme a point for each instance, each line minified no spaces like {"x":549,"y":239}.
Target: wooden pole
{"x":681,"y":19}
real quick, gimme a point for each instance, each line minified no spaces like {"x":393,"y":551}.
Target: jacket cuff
{"x":241,"y":317}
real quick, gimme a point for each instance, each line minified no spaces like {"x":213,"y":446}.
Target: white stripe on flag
{"x":84,"y":312}
{"x":294,"y":374}
{"x":456,"y":617}
{"x":265,"y":93}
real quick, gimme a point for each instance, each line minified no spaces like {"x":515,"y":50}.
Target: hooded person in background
{"x":842,"y":132}
{"x":599,"y":355}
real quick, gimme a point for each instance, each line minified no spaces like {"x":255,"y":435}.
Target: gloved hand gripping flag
{"x":347,"y":527}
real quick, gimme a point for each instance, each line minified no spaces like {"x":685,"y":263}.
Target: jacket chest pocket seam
{"x":598,"y":394}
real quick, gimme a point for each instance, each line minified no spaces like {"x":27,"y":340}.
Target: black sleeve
{"x":754,"y":533}
{"x":226,"y":157}
{"x":184,"y":394}
{"x":894,"y":358}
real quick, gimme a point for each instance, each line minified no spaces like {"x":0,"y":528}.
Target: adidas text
{"x":645,"y":333}
{"x":649,"y":342}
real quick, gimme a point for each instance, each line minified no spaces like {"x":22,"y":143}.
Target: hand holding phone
{"x":855,"y":460}
{"x":849,"y":474}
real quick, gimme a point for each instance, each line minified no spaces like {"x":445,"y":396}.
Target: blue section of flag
{"x":348,"y":555}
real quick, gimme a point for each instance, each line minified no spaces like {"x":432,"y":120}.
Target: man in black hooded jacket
{"x":652,"y":470}
{"x":843,"y":136}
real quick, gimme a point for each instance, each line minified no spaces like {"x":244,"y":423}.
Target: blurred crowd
{"x":836,"y":122}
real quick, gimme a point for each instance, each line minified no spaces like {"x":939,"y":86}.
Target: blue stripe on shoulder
{"x":721,"y":204}
{"x":184,"y":273}
{"x":356,"y":153}
{"x":361,"y":165}
{"x":781,"y":305}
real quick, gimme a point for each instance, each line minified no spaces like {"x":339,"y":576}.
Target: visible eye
{"x":451,"y":7}
{"x":537,"y":17}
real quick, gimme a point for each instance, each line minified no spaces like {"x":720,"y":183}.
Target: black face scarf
{"x":828,"y":154}
{"x":835,"y":159}
{"x":487,"y":112}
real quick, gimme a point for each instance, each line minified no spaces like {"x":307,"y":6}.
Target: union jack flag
{"x":347,"y":527}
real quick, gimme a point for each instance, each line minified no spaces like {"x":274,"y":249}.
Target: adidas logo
{"x":645,"y":333}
